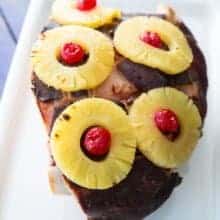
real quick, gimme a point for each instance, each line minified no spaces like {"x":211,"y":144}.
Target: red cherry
{"x":97,"y":141}
{"x":151,"y":38}
{"x":167,"y":121}
{"x":72,"y":53}
{"x":85,"y":5}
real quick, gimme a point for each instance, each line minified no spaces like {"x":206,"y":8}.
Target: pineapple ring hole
{"x":82,"y":62}
{"x":89,"y":155}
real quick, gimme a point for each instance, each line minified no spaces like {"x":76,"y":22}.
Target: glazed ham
{"x":147,"y":186}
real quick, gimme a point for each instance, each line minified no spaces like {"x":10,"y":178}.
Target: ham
{"x":147,"y":186}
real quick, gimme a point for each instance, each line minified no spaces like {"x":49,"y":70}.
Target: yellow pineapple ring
{"x":151,"y":142}
{"x":127,"y":41}
{"x":46,"y":65}
{"x":66,"y":149}
{"x":64,"y":12}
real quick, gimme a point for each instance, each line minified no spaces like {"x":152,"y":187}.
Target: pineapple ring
{"x":64,"y":12}
{"x":48,"y":68}
{"x":151,"y":142}
{"x":66,"y":148}
{"x":127,"y":41}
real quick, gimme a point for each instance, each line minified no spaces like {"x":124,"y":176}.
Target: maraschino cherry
{"x":72,"y":54}
{"x":167,"y":122}
{"x":151,"y":38}
{"x":85,"y":5}
{"x":97,"y":141}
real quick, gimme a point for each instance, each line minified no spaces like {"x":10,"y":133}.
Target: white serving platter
{"x":24,"y":191}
